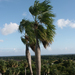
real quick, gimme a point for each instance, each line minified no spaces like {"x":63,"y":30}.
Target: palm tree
{"x":8,"y":71}
{"x":45,"y":69}
{"x":17,"y":70}
{"x":27,"y":39}
{"x":13,"y":70}
{"x":43,"y":28}
{"x":11,"y":63}
{"x":3,"y":67}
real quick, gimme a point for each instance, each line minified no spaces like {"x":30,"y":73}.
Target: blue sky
{"x":13,"y":11}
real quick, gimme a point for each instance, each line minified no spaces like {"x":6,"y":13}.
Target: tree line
{"x":48,"y":57}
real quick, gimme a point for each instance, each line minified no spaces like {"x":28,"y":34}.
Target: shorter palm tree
{"x":28,"y":39}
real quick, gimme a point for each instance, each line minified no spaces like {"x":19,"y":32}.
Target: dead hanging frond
{"x":32,"y":47}
{"x":26,"y":38}
{"x":45,"y":43}
{"x":36,"y":25}
{"x":23,"y":40}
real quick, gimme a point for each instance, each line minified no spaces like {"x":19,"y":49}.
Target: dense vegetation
{"x":51,"y":65}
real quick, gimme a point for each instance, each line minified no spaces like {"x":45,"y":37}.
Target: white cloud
{"x":49,"y":48}
{"x":66,"y":48}
{"x":24,"y":14}
{"x":15,"y":50}
{"x":64,"y":23}
{"x":72,"y":25}
{"x":9,"y":28}
{"x":1,"y":40}
{"x":11,"y":51}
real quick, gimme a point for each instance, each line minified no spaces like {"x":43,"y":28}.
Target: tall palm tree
{"x":43,"y":27}
{"x":27,"y":39}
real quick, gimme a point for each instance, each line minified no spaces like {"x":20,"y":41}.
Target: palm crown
{"x":43,"y":20}
{"x":44,"y":29}
{"x":29,"y":37}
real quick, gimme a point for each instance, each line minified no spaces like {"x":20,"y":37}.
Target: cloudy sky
{"x":13,"y":11}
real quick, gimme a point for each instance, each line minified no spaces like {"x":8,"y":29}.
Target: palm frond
{"x":23,"y":40}
{"x":34,"y":10}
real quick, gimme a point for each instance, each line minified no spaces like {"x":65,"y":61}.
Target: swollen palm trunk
{"x":28,"y":56}
{"x":38,"y":59}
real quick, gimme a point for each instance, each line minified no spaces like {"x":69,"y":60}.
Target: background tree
{"x":17,"y":71}
{"x":3,"y":67}
{"x":8,"y":72}
{"x":46,"y":69}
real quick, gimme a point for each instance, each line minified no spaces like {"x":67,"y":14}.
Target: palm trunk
{"x":25,"y":71}
{"x":46,"y":73}
{"x":38,"y":58}
{"x":28,"y":56}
